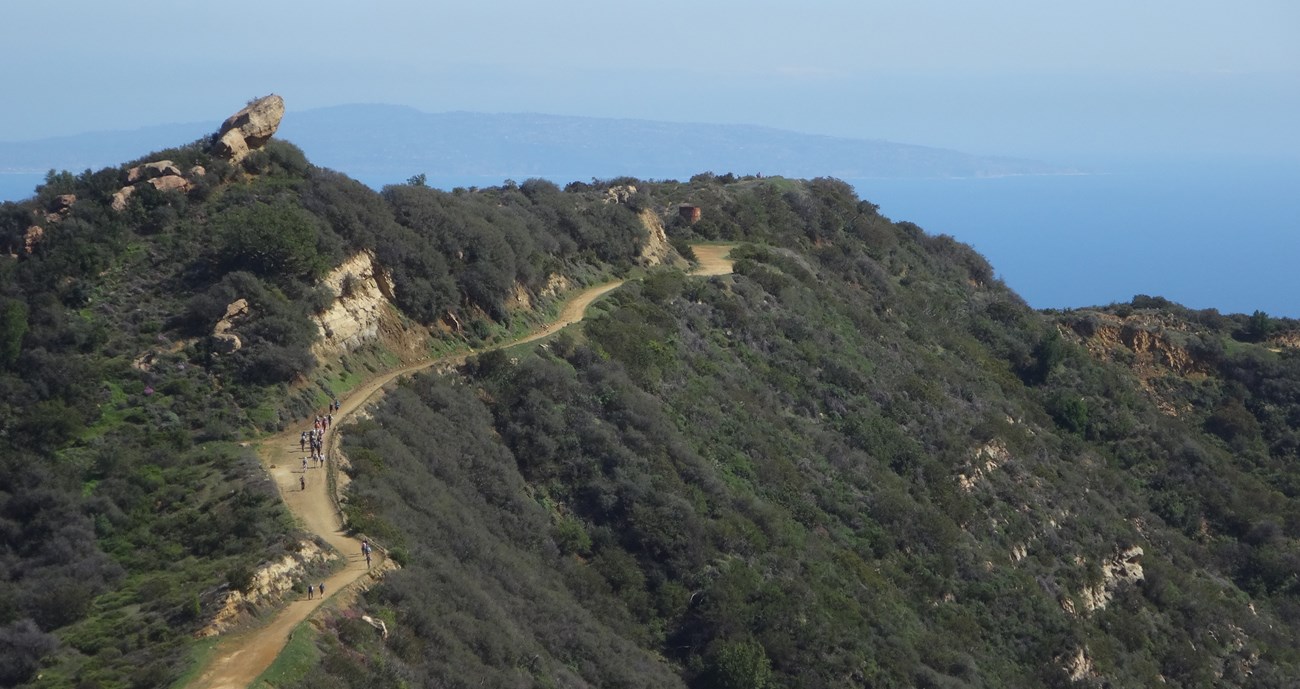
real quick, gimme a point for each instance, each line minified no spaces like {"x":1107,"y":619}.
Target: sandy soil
{"x":240,"y":658}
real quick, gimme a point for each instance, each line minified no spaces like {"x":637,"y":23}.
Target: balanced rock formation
{"x":249,"y":128}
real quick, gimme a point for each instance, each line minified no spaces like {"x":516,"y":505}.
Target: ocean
{"x":1205,"y":234}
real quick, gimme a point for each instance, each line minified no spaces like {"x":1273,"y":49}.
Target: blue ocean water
{"x":17,"y":186}
{"x":1205,"y":234}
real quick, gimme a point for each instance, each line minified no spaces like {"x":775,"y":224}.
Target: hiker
{"x":309,"y":591}
{"x":302,"y":442}
{"x":322,"y":589}
{"x":302,"y":482}
{"x":304,"y":465}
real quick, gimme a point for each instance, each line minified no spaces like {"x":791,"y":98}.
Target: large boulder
{"x":158,"y":168}
{"x":170,"y":183}
{"x":249,"y":129}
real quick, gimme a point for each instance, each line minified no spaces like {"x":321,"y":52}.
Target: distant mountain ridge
{"x":381,"y":144}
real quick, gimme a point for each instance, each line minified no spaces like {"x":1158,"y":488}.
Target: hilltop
{"x":858,"y":460}
{"x":384,"y":144}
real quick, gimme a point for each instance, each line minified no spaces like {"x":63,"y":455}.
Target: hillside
{"x":860,"y":460}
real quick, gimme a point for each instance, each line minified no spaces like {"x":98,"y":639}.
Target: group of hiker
{"x":314,"y":590}
{"x":315,"y":437}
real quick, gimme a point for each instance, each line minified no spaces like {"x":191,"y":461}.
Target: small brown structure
{"x":689,"y":212}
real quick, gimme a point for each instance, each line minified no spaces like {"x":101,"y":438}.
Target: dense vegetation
{"x":126,"y":500}
{"x":858,"y":461}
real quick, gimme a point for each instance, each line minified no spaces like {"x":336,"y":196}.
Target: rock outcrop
{"x":223,"y":340}
{"x":656,"y":250}
{"x":1125,"y":567}
{"x":268,"y":584}
{"x":988,"y":457}
{"x":163,"y":175}
{"x":170,"y":183}
{"x":32,"y":237}
{"x":249,"y":129}
{"x":1148,"y":344}
{"x":122,"y":197}
{"x":364,"y":292}
{"x":148,"y":171}
{"x":619,"y":193}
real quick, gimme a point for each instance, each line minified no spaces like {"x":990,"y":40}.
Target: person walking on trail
{"x":309,"y":591}
{"x":302,"y":482}
{"x":322,"y":589}
{"x":304,"y":464}
{"x":302,"y":442}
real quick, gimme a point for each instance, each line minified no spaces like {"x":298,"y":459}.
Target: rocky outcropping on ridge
{"x":249,"y":129}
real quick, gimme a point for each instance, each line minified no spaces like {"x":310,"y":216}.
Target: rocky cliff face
{"x":362,"y":307}
{"x":267,"y":585}
{"x":656,"y":250}
{"x":1151,"y":345}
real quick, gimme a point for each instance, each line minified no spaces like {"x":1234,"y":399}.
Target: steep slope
{"x":158,"y":315}
{"x":860,"y":460}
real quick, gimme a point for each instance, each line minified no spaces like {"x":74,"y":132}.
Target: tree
{"x":740,"y":665}
{"x":13,"y":326}
{"x":278,"y":240}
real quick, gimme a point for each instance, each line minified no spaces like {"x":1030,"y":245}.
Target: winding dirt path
{"x":240,"y":658}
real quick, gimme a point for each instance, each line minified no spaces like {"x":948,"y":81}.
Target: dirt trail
{"x":240,"y":658}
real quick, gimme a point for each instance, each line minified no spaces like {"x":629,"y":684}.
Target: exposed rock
{"x":520,"y":300}
{"x":271,"y":581}
{"x":1123,"y":568}
{"x":555,"y":284}
{"x":1286,"y":340}
{"x":198,"y":171}
{"x":1078,"y":665}
{"x":250,"y":128}
{"x":224,"y":341}
{"x":32,"y":237}
{"x":121,"y":198}
{"x":354,"y":318}
{"x":619,"y":194}
{"x":231,"y":146}
{"x":656,"y":250}
{"x":377,"y":624}
{"x":170,"y":183}
{"x":1148,"y":344}
{"x":987,"y":457}
{"x":690,"y":213}
{"x":58,"y":208}
{"x":159,"y":168}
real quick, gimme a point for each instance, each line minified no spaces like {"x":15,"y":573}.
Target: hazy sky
{"x":1024,"y":77}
